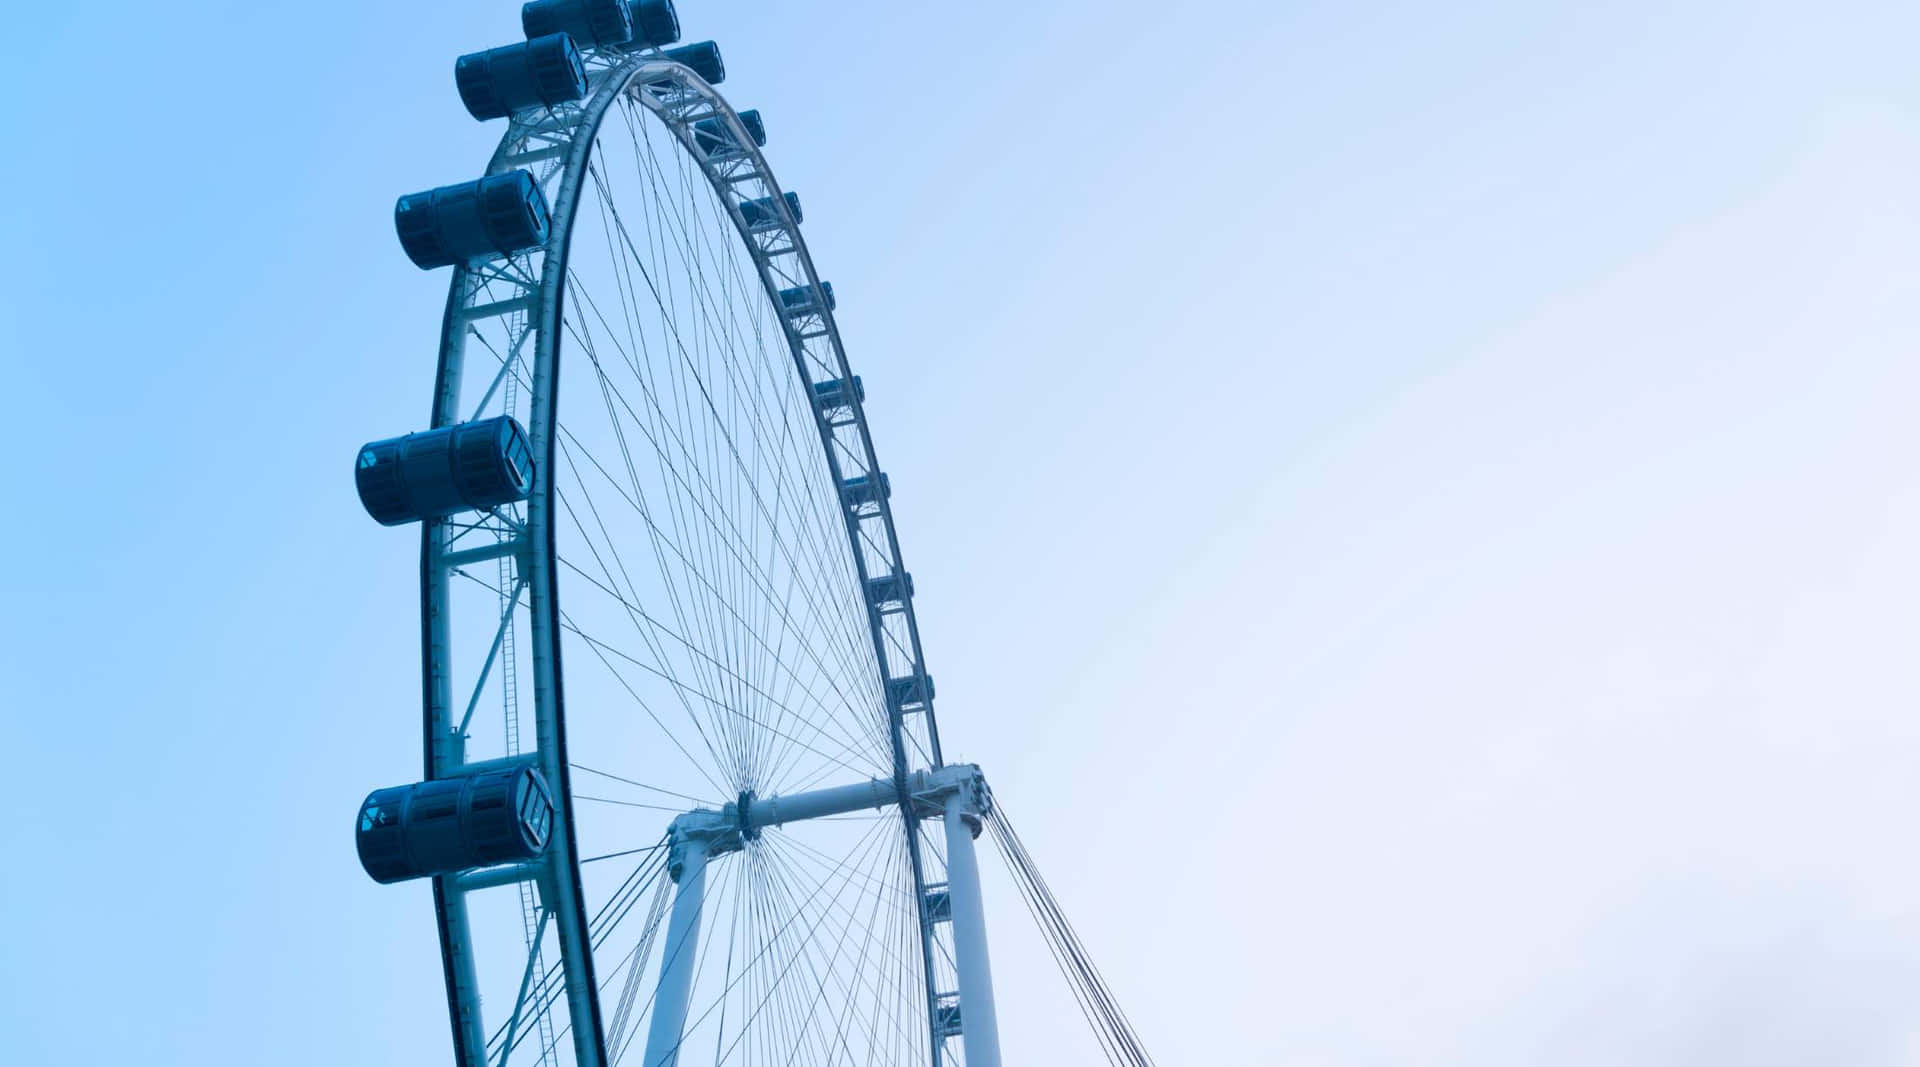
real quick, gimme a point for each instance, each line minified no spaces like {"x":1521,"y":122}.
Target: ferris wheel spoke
{"x":599,"y":646}
{"x":701,"y":621}
{"x":885,"y":964}
{"x":829,"y":756}
{"x":628,"y":803}
{"x":696,"y":801}
{"x":759,"y":579}
{"x":774,"y":1005}
{"x":548,"y":989}
{"x":794,"y":914}
{"x":630,"y":959}
{"x":815,"y":545}
{"x":657,"y":537}
{"x":645,"y":876}
{"x":788,"y":1005}
{"x":881,"y":892}
{"x":646,"y":633}
{"x":692,"y":434}
{"x":791,"y":672}
{"x":605,"y":856}
{"x":601,"y":652}
{"x":635,"y":964}
{"x":857,"y":985}
{"x":704,"y":621}
{"x":780,"y":661}
{"x":768,"y":367}
{"x":823,"y":973}
{"x":764,"y":944}
{"x":846,"y":745}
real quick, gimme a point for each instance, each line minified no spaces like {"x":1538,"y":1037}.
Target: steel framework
{"x":521,"y":299}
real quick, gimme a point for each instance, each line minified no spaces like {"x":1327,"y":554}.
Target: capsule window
{"x":534,"y":811}
{"x":519,"y":460}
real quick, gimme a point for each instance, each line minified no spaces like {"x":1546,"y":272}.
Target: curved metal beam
{"x":558,"y":144}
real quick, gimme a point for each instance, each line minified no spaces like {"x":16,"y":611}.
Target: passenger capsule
{"x":703,"y":57}
{"x":890,"y":589}
{"x":454,"y":824}
{"x":833,"y":394}
{"x":470,"y":467}
{"x":500,"y":81}
{"x":909,"y":692}
{"x":497,"y":215}
{"x":715,"y":137}
{"x":800,"y":298}
{"x":756,"y":126}
{"x":655,"y":24}
{"x":762,"y":215}
{"x":861,"y":489}
{"x":590,"y":22}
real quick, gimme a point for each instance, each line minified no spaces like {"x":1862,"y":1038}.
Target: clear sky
{"x":1414,"y":506}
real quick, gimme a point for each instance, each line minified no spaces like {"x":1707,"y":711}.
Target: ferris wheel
{"x":683,"y":791}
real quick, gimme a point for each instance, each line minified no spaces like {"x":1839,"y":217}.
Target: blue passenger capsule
{"x":756,"y":127}
{"x":704,"y":58}
{"x":864,"y":490}
{"x":497,"y":215}
{"x":454,"y":824}
{"x":833,"y":394}
{"x":591,"y":22}
{"x":800,"y":298}
{"x":500,"y":81}
{"x":890,"y":589}
{"x":761,"y":214}
{"x":472,"y":466}
{"x":715,"y":138}
{"x":655,"y":24}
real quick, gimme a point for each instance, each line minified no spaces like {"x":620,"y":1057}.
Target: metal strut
{"x":956,"y":794}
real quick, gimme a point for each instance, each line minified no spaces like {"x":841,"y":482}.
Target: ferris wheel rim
{"x":622,"y":75}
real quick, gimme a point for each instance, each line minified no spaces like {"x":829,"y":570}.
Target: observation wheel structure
{"x":697,"y":805}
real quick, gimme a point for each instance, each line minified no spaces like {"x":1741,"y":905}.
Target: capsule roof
{"x":591,"y":22}
{"x":655,"y":24}
{"x":704,"y":58}
{"x":541,"y":72}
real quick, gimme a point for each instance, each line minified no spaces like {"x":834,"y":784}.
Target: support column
{"x":979,"y":1027}
{"x":669,"y":1023}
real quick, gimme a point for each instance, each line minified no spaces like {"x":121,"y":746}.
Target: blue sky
{"x":1413,"y":506}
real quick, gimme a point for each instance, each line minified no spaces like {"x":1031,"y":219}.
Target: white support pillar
{"x":676,"y":965}
{"x":979,"y":1027}
{"x":956,"y":791}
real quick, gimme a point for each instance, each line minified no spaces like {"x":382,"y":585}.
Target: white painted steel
{"x":494,"y":877}
{"x":670,"y":1000}
{"x":929,"y":791}
{"x":820,"y":803}
{"x":979,"y":1027}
